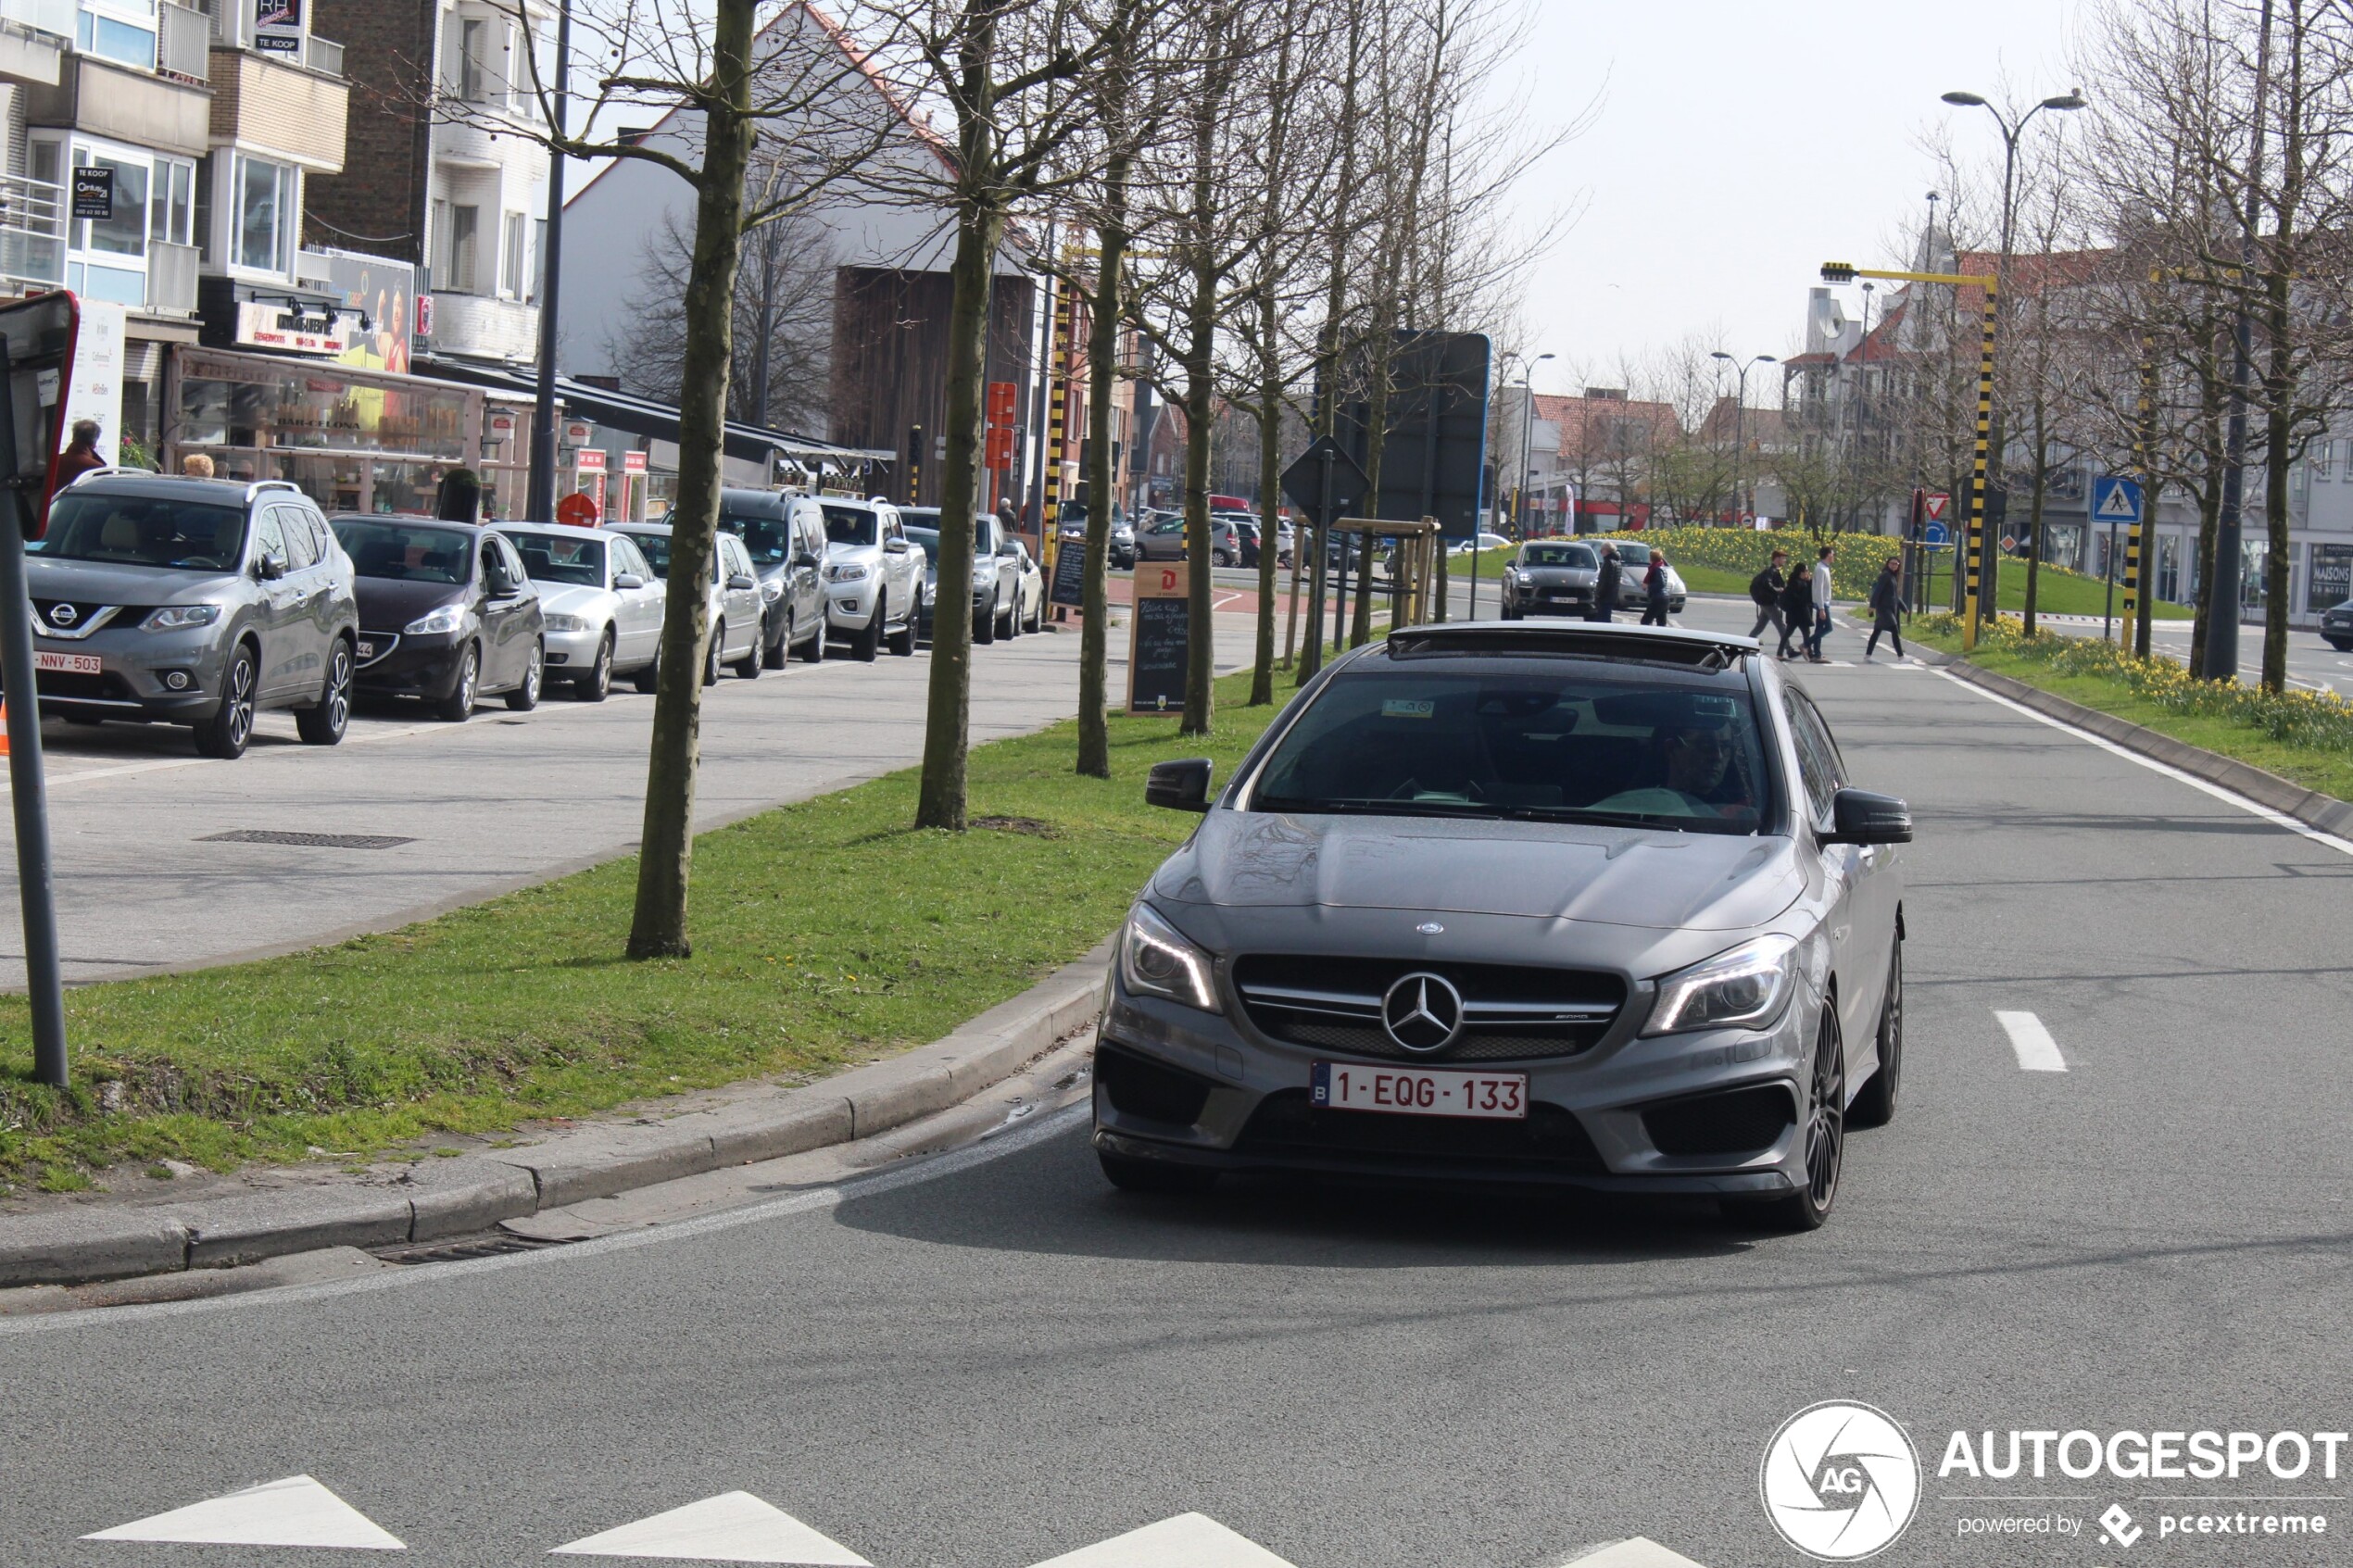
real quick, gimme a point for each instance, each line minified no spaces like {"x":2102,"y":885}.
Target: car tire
{"x":224,"y":734}
{"x":710,"y":665}
{"x":866,"y":642}
{"x":775,"y":654}
{"x":324,"y":721}
{"x":1219,"y":557}
{"x":1008,"y":624}
{"x":1037,"y":618}
{"x":902,"y":642}
{"x":1130,"y":1175}
{"x":596,"y":686}
{"x":1825,"y":1121}
{"x":984,"y":626}
{"x":813,"y":650}
{"x":525,"y":697}
{"x":459,"y":705}
{"x":1874,"y":1105}
{"x":2341,"y":644}
{"x":748,"y":668}
{"x":648,"y":679}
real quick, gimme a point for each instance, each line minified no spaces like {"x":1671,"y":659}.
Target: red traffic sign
{"x":1002,"y":396}
{"x":1938,"y":503}
{"x":1001,"y":448}
{"x":579,"y":509}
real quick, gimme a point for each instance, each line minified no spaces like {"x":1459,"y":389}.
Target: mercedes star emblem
{"x":64,"y":615}
{"x":1422,"y":1012}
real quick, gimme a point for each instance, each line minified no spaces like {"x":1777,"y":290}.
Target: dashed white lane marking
{"x":1640,"y":1553}
{"x":731,"y":1527}
{"x":2229,"y":797}
{"x":295,"y":1512}
{"x":2037,"y":1052}
{"x":1189,"y":1540}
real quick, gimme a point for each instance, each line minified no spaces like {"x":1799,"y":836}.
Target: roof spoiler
{"x":1587,"y":639}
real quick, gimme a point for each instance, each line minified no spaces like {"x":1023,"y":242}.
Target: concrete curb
{"x":439,"y":1199}
{"x":2325,"y":812}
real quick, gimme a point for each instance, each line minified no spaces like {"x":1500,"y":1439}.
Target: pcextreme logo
{"x":1839,"y":1481}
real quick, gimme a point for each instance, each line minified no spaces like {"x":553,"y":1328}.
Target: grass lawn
{"x":826,"y":934}
{"x":2328,"y":769}
{"x":2058,"y":593}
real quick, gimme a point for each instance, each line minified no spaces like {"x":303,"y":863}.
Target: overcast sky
{"x":1739,"y":144}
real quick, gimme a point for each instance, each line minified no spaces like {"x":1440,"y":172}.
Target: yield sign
{"x":1937,"y":503}
{"x":1303,"y":481}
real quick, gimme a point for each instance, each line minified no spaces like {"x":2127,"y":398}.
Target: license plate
{"x":1407,"y":1091}
{"x":69,"y":663}
{"x":367,"y":649}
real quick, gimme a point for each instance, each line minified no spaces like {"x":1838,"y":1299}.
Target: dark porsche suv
{"x":1578,"y":904}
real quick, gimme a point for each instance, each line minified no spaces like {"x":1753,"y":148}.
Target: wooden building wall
{"x":890,"y":365}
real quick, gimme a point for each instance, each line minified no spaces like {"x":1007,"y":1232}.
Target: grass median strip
{"x":826,"y":934}
{"x":2303,"y":736}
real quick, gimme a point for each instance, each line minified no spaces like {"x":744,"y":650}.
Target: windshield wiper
{"x":1382,"y":809}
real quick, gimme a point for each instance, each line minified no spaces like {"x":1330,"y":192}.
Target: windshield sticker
{"x":1405,"y":707}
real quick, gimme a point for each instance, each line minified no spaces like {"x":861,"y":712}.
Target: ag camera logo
{"x":1839,"y":1481}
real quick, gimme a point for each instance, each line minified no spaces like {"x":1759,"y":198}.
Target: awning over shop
{"x":656,"y":422}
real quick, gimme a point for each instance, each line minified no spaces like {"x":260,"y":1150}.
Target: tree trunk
{"x":1270,"y":512}
{"x":2279,"y":429}
{"x":2040,"y":486}
{"x":1103,"y":369}
{"x":1201,"y":371}
{"x":980,"y":228}
{"x":657,"y":926}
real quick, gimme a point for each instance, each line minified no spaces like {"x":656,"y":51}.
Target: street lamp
{"x":2011,"y":131}
{"x":1739,"y":408}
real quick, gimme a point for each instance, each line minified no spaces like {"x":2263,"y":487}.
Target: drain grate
{"x":307,"y":840}
{"x":458,"y":1250}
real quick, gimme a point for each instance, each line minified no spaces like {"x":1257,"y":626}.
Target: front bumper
{"x":136,"y":668}
{"x":850,"y":606}
{"x":397,"y":665}
{"x":1229,"y":1098}
{"x":574,"y":652}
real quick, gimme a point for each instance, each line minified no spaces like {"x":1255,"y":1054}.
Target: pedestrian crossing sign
{"x":2115,"y":499}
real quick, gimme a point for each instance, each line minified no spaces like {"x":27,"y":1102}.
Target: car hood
{"x":388,"y":604}
{"x":106,"y":582}
{"x":1538,"y":871}
{"x":577,"y":598}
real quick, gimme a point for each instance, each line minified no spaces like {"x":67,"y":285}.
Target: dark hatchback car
{"x":1590,"y":905}
{"x":447,"y":613}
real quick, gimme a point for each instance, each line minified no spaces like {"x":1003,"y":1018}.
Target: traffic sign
{"x":2116,"y":500}
{"x":579,"y":509}
{"x":1303,"y":481}
{"x":1936,"y":534}
{"x":1937,"y":502}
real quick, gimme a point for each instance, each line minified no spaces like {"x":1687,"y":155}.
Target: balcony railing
{"x":183,"y":45}
{"x":33,"y":232}
{"x":171,"y":277}
{"x":322,"y":56}
{"x":47,"y":16}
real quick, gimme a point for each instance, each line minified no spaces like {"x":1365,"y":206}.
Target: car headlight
{"x":845,"y":572}
{"x":771,"y":589}
{"x":1156,"y":960}
{"x":448,"y":617}
{"x":180,"y":618}
{"x":560,"y":623}
{"x":1743,"y":987}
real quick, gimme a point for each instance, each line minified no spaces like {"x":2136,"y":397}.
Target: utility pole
{"x":539,"y":505}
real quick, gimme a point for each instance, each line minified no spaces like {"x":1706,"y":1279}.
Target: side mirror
{"x":1179,"y":786}
{"x":624,"y":581}
{"x":1009,"y":549}
{"x":1857,"y":816}
{"x":894,"y":547}
{"x":739,"y":582}
{"x":805,"y":561}
{"x":271,"y":567}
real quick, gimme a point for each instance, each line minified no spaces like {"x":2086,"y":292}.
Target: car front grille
{"x":85,"y":618}
{"x":1286,"y":1125}
{"x":1510,"y":1013}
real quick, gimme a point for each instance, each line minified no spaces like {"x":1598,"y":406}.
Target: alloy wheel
{"x":240,"y":700}
{"x":1825,"y":1121}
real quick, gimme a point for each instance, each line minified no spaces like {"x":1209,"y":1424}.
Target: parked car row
{"x":1007,"y":586}
{"x":204,"y":603}
{"x":1233,"y":538}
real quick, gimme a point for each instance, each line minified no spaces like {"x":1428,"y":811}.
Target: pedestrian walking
{"x":1765,"y":592}
{"x":1606,"y":585}
{"x":1887,"y":607}
{"x":1797,"y":609}
{"x":1655,"y":590}
{"x":1821,"y":617}
{"x":81,"y":455}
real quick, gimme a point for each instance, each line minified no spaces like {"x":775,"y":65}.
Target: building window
{"x":119,"y":30}
{"x":107,"y":258}
{"x":464,"y":242}
{"x":126,"y":233}
{"x":265,"y":217}
{"x":511,"y":258}
{"x":2324,"y":459}
{"x":538,"y":259}
{"x":473,"y":40}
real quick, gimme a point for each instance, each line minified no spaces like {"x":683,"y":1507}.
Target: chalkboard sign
{"x":1157,"y":658}
{"x":1070,"y":573}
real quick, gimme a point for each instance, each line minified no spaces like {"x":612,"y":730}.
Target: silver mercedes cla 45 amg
{"x":1575,"y":904}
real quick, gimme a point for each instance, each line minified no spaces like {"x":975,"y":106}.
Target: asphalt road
{"x":503,"y":800}
{"x":994,"y":1359}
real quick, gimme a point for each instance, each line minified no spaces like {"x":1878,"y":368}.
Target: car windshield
{"x":655,"y":548}
{"x":928,"y":539}
{"x":144,"y":531}
{"x":548,"y":558}
{"x":765,"y":537}
{"x":403,"y":552}
{"x":1634,"y":555}
{"x":1557,"y":555}
{"x":1577,"y":742}
{"x":850,"y":525}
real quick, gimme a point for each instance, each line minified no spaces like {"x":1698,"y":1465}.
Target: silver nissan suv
{"x":192,"y":602}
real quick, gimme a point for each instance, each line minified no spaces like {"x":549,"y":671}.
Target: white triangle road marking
{"x":1189,"y":1540}
{"x":1640,"y":1553}
{"x":295,"y":1512}
{"x":731,"y":1527}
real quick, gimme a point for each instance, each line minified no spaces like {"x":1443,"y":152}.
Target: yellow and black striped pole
{"x":2133,"y":635}
{"x":1973,"y":604}
{"x":1057,"y":418}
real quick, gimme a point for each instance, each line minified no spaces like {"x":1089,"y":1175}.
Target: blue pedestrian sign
{"x":1936,"y":534}
{"x":2116,"y":500}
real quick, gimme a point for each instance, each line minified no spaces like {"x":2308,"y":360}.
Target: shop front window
{"x":352,"y":442}
{"x":2330,"y":582}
